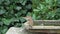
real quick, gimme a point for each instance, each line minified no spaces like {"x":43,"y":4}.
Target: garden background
{"x":12,"y":11}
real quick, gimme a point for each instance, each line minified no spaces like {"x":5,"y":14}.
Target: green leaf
{"x":18,"y":14}
{"x":36,"y":10}
{"x":41,"y":6}
{"x":7,"y":21}
{"x":4,"y":29}
{"x":1,"y":1}
{"x":49,"y":1}
{"x":58,"y":1}
{"x":51,"y":14}
{"x":2,"y":11}
{"x":23,"y":12}
{"x":22,"y":20}
{"x":18,"y":25}
{"x":1,"y":23}
{"x":33,"y":16}
{"x":18,"y":8}
{"x":24,"y":2}
{"x":21,"y":1}
{"x":29,"y":14}
{"x":58,"y":12}
{"x":28,"y":6}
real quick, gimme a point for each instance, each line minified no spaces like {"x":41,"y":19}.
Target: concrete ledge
{"x":15,"y":30}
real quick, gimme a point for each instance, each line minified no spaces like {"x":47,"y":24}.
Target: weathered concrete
{"x":14,"y":30}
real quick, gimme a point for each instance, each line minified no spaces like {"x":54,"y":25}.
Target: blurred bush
{"x":11,"y":13}
{"x":46,"y":9}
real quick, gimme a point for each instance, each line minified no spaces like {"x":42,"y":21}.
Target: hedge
{"x":46,"y":9}
{"x":11,"y":13}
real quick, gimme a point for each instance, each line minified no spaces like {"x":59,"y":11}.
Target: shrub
{"x":11,"y":13}
{"x":46,"y":10}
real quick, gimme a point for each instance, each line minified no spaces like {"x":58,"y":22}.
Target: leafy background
{"x":12,"y":11}
{"x":46,"y":10}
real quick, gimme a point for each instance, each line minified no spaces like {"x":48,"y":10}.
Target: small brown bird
{"x":29,"y":22}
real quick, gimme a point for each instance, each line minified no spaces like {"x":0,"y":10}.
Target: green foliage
{"x":46,"y":9}
{"x":11,"y":13}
